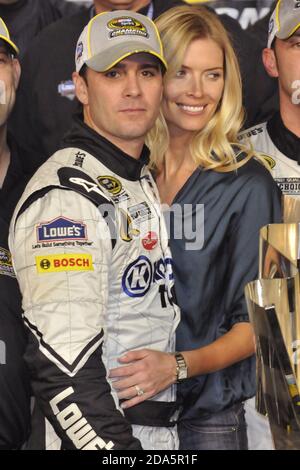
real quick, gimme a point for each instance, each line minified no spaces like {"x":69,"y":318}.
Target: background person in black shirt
{"x":26,"y":18}
{"x":14,"y":384}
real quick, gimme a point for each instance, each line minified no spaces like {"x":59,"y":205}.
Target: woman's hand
{"x":147,"y":373}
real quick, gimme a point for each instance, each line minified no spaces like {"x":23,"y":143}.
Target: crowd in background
{"x":43,"y":102}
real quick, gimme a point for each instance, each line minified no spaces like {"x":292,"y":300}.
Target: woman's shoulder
{"x":255,"y":172}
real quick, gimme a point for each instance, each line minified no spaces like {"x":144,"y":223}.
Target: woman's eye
{"x":214,"y":75}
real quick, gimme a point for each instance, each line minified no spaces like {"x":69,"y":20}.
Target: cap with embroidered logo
{"x":4,"y":35}
{"x":284,"y":21}
{"x":112,"y":36}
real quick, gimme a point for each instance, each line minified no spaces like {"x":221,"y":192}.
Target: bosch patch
{"x":64,"y":262}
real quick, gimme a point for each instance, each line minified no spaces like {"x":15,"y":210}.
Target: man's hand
{"x":147,"y":373}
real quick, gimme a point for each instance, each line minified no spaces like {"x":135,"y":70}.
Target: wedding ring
{"x":139,"y":391}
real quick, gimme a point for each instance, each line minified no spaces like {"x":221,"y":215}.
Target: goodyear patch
{"x":6,"y":267}
{"x":61,"y":229}
{"x":64,"y":262}
{"x":127,"y":26}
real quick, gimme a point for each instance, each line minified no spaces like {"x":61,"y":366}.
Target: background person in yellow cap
{"x":278,"y":140}
{"x":279,"y":137}
{"x":96,"y":288}
{"x":14,"y":380}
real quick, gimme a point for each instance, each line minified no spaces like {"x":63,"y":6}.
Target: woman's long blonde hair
{"x":212,"y":147}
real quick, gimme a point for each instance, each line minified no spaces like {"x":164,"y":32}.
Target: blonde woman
{"x":197,"y":161}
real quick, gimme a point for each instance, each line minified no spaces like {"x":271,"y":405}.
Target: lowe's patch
{"x":61,"y":229}
{"x":127,"y":26}
{"x":6,"y":267}
{"x":64,"y":262}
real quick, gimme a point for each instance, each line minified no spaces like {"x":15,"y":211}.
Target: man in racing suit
{"x":279,"y":138}
{"x":91,"y":253}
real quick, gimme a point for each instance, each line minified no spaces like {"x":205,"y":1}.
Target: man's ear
{"x":80,"y":88}
{"x":270,"y":62}
{"x":16,"y":72}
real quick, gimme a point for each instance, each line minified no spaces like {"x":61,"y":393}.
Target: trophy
{"x":274,"y":308}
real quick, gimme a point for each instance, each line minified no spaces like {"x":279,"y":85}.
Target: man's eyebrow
{"x":149,"y":65}
{"x":144,"y":65}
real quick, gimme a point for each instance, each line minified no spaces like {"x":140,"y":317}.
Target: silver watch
{"x":181,"y":367}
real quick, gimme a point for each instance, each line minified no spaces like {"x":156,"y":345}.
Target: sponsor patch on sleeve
{"x":64,"y":262}
{"x":61,"y":229}
{"x":6,"y":267}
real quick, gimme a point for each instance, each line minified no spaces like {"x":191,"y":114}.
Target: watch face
{"x":182,"y":373}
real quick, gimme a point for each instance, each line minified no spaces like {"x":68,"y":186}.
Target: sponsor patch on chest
{"x":140,"y":212}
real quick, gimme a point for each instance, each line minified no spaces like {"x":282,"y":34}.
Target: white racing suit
{"x":96,"y":283}
{"x":281,"y":150}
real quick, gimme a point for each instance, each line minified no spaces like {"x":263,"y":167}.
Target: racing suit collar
{"x":286,"y":142}
{"x":83,"y":137}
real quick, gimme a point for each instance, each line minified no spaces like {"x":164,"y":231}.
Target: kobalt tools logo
{"x":138,"y":277}
{"x":141,"y":274}
{"x":61,"y":229}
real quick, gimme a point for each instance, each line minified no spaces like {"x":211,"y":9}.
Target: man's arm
{"x":61,"y":249}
